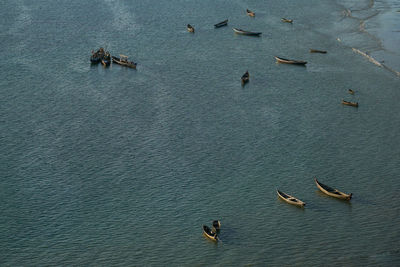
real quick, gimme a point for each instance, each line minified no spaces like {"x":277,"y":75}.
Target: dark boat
{"x":243,"y":32}
{"x":317,"y":51}
{"x":290,"y":199}
{"x":351,"y":92}
{"x":210,"y":234}
{"x":190,"y":28}
{"x":348,"y":103}
{"x":97,"y":56}
{"x":290,"y":61}
{"x":123,"y":60}
{"x":331,"y":191}
{"x":216,"y":226}
{"x":106,"y":60}
{"x":221,"y":24}
{"x":287,"y":20}
{"x":245,"y":78}
{"x":250,"y":13}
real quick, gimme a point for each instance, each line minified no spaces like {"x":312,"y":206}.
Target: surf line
{"x":373,"y":60}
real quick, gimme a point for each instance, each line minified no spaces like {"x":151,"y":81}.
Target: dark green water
{"x":121,"y":167}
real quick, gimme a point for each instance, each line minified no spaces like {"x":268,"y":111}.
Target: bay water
{"x":121,"y":167}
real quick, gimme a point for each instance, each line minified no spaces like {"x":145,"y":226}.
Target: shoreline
{"x":376,"y":28}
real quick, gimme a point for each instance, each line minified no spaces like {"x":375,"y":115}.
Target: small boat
{"x":216,"y":226}
{"x":348,"y":103}
{"x":317,"y":51}
{"x":290,"y":199}
{"x":106,"y":60}
{"x":221,"y":24}
{"x":97,"y":56}
{"x":190,"y":28}
{"x":331,"y":191}
{"x":123,"y":60}
{"x":290,"y":61}
{"x":243,"y":32}
{"x":250,"y":13}
{"x":287,"y":20}
{"x":245,"y":78}
{"x":351,"y":92}
{"x":210,"y":234}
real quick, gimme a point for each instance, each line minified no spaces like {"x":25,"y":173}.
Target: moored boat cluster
{"x":105,"y":58}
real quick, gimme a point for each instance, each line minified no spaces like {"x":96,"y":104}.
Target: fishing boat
{"x":245,"y":78}
{"x":221,"y":24}
{"x":216,"y":226}
{"x":348,"y":103}
{"x":250,"y":13}
{"x":290,"y":199}
{"x":210,"y":234}
{"x":106,"y":60}
{"x":351,"y":92}
{"x":287,"y":20}
{"x":123,"y":60}
{"x":331,"y":191}
{"x":317,"y":51}
{"x":190,"y":28}
{"x":97,"y":56}
{"x":289,"y":61}
{"x":243,"y":32}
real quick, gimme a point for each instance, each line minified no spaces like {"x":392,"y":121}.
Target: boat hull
{"x":248,"y":33}
{"x":221,"y":24}
{"x":290,"y":61}
{"x":331,"y":191}
{"x":348,"y":103}
{"x":290,"y":199}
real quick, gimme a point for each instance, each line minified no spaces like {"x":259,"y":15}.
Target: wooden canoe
{"x":317,"y":51}
{"x":123,"y":61}
{"x":243,"y":32}
{"x":250,"y":13}
{"x":287,"y":20}
{"x":289,"y":61}
{"x":210,"y":234}
{"x":245,"y":78}
{"x":331,"y":191}
{"x":221,"y":24}
{"x":348,"y":103}
{"x":190,"y":28}
{"x":290,"y":199}
{"x":351,"y":92}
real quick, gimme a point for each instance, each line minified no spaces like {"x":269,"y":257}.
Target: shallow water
{"x":122,"y":167}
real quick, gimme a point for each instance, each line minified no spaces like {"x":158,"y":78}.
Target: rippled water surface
{"x":121,"y":167}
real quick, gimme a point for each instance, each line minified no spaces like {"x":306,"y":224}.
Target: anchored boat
{"x":290,"y":199}
{"x":331,"y":191}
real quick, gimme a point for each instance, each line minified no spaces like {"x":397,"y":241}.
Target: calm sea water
{"x":120,"y":167}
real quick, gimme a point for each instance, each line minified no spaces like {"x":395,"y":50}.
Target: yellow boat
{"x":210,"y":234}
{"x":290,"y":199}
{"x":332,"y":192}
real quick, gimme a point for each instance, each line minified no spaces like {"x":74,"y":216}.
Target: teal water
{"x":121,"y":167}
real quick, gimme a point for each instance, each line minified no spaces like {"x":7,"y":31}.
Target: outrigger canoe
{"x":348,"y":103}
{"x":221,"y":24}
{"x":290,"y":61}
{"x":210,"y":234}
{"x":243,"y":32}
{"x":290,"y":199}
{"x":331,"y":191}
